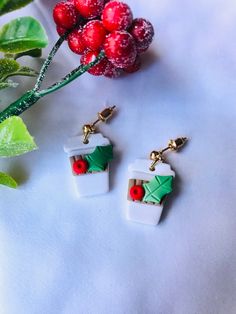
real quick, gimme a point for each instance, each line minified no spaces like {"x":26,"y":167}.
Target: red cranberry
{"x":134,"y":67}
{"x":117,"y":16}
{"x":90,"y":56}
{"x":120,"y":49}
{"x":80,"y":166}
{"x":61,"y":30}
{"x":89,"y":8}
{"x":143,"y":32}
{"x":137,"y":192}
{"x":65,"y":15}
{"x":75,"y":41}
{"x":94,"y":34}
{"x":111,"y":71}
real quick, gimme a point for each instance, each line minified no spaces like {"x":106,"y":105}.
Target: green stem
{"x":48,"y":61}
{"x":20,"y":105}
{"x":32,"y":96}
{"x":71,"y":76}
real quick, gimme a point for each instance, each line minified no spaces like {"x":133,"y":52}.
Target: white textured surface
{"x":61,"y":255}
{"x":91,"y":184}
{"x":146,"y":213}
{"x":75,"y":146}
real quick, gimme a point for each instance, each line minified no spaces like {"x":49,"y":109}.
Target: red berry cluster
{"x":104,"y":25}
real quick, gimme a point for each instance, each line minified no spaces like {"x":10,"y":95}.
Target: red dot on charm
{"x":137,"y":192}
{"x":80,"y":166}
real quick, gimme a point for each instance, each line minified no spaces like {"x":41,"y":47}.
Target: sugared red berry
{"x":90,"y":56}
{"x":117,"y":15}
{"x":65,"y":14}
{"x":89,"y":8}
{"x":80,"y":166}
{"x":120,"y":49}
{"x":143,"y":32}
{"x":94,"y":34}
{"x":134,"y":67}
{"x":111,"y":71}
{"x":75,"y":41}
{"x":137,"y":192}
{"x":61,"y":30}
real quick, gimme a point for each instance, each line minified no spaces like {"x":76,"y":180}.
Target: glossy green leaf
{"x":14,"y":138}
{"x":99,"y":158}
{"x":157,"y":188}
{"x":35,"y":53}
{"x":22,"y":34}
{"x":11,"y":5}
{"x":7,"y":180}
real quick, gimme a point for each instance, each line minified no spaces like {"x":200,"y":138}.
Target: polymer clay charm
{"x":89,"y":155}
{"x":149,"y":186}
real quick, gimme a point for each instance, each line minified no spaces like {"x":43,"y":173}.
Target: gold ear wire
{"x":174,"y":145}
{"x":103,"y":116}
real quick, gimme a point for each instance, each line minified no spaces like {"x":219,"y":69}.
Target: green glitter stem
{"x":32,"y":96}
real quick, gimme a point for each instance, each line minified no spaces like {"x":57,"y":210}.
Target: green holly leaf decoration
{"x":7,"y":180}
{"x":157,"y":188}
{"x":14,"y":138}
{"x":99,"y":159}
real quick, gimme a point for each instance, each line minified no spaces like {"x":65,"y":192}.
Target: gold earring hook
{"x":174,"y":145}
{"x":103,"y":116}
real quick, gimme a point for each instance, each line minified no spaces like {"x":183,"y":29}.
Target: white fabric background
{"x":62,"y":255}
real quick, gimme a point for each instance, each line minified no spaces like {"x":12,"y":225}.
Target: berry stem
{"x":31,"y":97}
{"x":48,"y":61}
{"x":71,"y":76}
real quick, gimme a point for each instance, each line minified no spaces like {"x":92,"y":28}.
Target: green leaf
{"x":157,"y":188}
{"x":26,"y":71}
{"x":22,"y":34}
{"x":35,"y":53}
{"x":14,"y":138}
{"x":10,"y":67}
{"x":7,"y":180}
{"x":7,"y":84}
{"x":11,"y":5}
{"x":7,"y":66}
{"x":99,"y":159}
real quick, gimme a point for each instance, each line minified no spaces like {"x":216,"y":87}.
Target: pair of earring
{"x":149,"y":180}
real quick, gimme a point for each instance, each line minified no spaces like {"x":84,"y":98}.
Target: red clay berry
{"x":89,"y":8}
{"x":65,"y":15}
{"x":80,"y":166}
{"x":75,"y":41}
{"x":137,"y":192}
{"x":117,"y":15}
{"x":134,"y":67}
{"x":94,"y":34}
{"x":111,"y":71}
{"x":90,"y":56}
{"x":120,"y":49}
{"x":143,"y":32}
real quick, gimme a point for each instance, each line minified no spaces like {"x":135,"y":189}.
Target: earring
{"x":150,"y":184}
{"x":89,"y":156}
